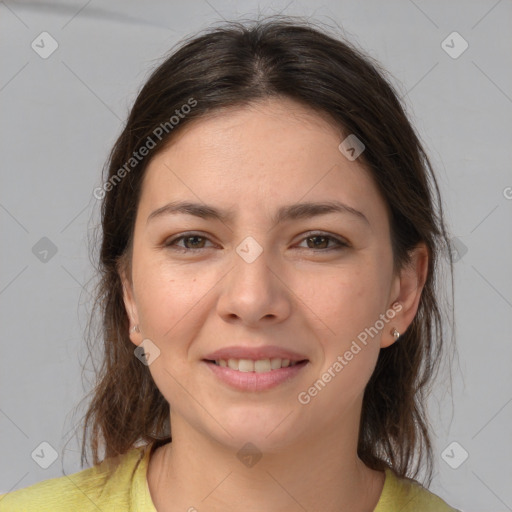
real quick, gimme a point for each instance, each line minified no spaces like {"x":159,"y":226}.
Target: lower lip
{"x":253,"y":381}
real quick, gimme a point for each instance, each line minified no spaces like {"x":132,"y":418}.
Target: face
{"x":310,"y":281}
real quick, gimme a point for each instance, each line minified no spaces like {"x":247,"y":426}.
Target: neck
{"x":195,"y":472}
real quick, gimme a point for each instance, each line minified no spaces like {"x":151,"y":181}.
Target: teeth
{"x":259,"y":366}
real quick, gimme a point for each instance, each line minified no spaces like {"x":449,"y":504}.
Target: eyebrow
{"x":285,"y":213}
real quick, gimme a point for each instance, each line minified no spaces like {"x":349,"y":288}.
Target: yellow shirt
{"x":127,"y":490}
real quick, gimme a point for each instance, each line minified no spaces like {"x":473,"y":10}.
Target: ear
{"x":129,"y":304}
{"x":407,"y":290}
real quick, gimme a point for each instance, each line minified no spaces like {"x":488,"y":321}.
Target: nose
{"x":255,"y":292}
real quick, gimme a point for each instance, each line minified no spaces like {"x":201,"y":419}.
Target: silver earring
{"x":135,"y":328}
{"x":395,"y":333}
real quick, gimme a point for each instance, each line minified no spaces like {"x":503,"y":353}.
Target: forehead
{"x":259,"y":156}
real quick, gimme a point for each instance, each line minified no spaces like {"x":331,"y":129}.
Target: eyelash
{"x":340,"y":244}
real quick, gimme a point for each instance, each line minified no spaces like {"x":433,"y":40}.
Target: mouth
{"x":255,"y":375}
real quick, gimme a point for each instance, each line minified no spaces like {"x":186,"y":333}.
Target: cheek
{"x":348,"y":303}
{"x":172,"y":308}
{"x":169,"y":294}
{"x":346,"y":299}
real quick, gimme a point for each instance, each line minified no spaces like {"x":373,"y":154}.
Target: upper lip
{"x":255,"y":353}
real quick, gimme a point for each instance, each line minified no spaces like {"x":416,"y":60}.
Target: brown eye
{"x":321,"y":241}
{"x":190,"y":242}
{"x":196,"y":242}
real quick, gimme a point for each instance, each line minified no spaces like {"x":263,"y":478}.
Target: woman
{"x":272,"y":233}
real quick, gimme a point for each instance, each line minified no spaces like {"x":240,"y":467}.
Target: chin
{"x":267,"y":432}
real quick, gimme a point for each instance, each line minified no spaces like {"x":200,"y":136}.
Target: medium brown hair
{"x":234,"y":65}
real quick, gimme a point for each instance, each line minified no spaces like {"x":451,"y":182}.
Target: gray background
{"x":61,"y":115}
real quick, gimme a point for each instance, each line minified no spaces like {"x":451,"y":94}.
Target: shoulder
{"x":407,"y":495}
{"x":108,"y":486}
